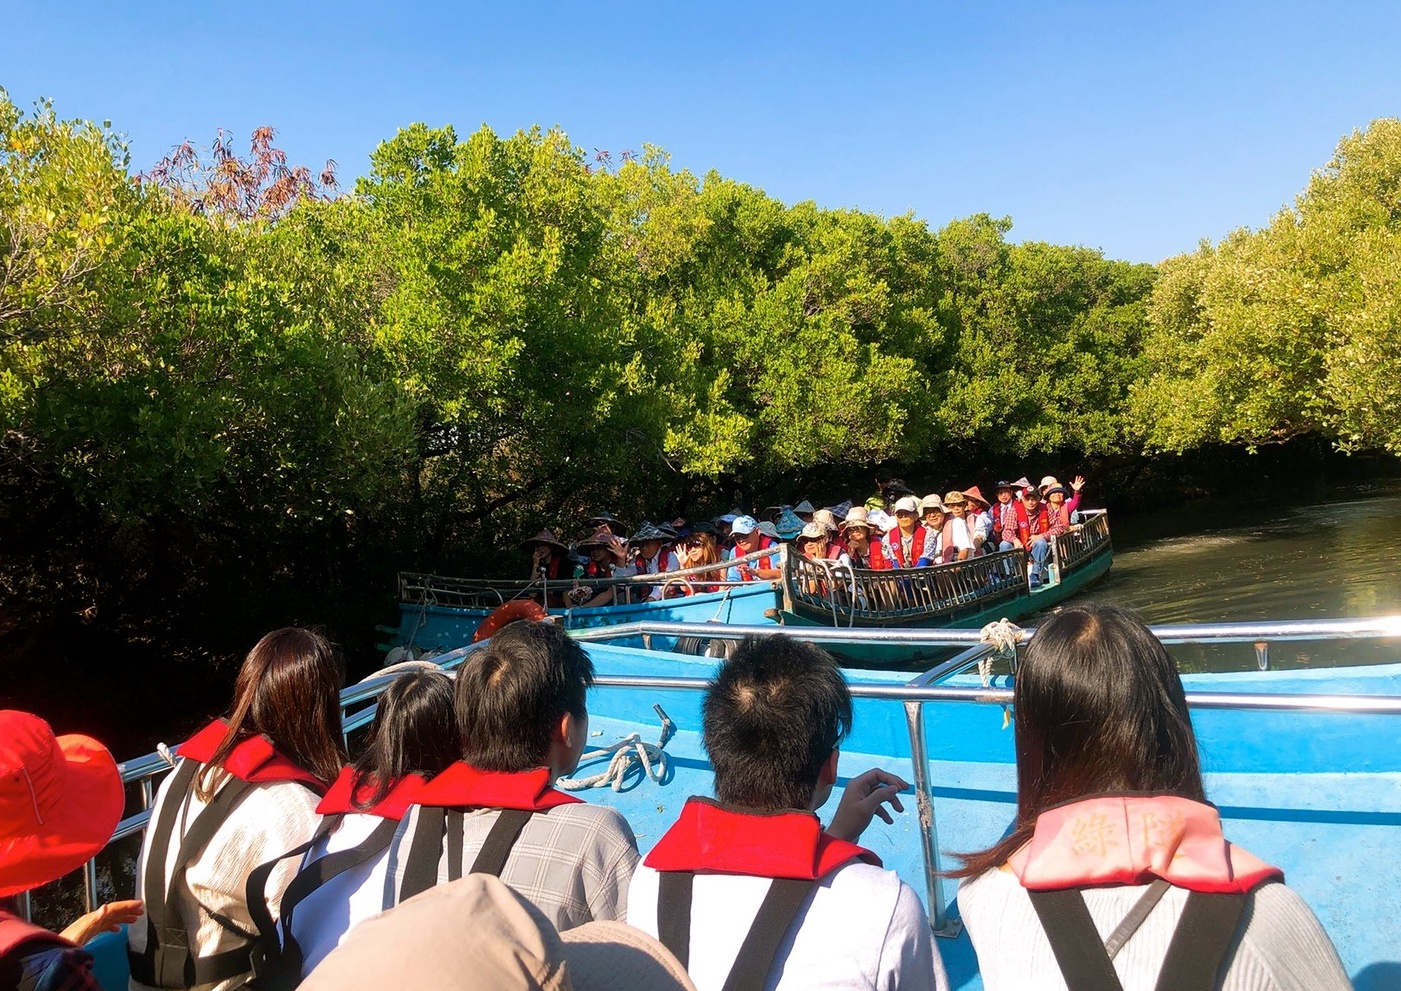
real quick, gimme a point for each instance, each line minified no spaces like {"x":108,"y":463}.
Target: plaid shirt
{"x":573,"y":862}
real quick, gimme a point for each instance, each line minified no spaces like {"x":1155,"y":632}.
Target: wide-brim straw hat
{"x":544,"y":538}
{"x":602,"y":538}
{"x":60,"y":799}
{"x":955,"y":498}
{"x":976,"y":494}
{"x":932,"y":501}
{"x":1022,"y":483}
{"x":857,"y":516}
{"x":476,"y":934}
{"x":607,"y":519}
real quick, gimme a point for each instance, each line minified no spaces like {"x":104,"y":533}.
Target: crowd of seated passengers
{"x":894,"y":529}
{"x":264,"y":853}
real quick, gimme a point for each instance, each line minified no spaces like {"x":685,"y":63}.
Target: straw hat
{"x":646,"y":531}
{"x":955,"y":498}
{"x":476,"y":934}
{"x":827,"y":518}
{"x":545,"y":538}
{"x":606,"y":519}
{"x":813,"y":531}
{"x":60,"y":799}
{"x":603,"y":538}
{"x":857,"y":516}
{"x":976,"y":494}
{"x":931,"y":502}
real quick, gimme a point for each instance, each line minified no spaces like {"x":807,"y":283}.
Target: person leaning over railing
{"x":413,"y":737}
{"x":60,"y":799}
{"x":243,"y":791}
{"x":1116,"y":873}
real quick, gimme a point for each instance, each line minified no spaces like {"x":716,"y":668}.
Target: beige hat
{"x":477,"y":934}
{"x":1050,"y":481}
{"x":857,"y":516}
{"x":932,"y":502}
{"x":826,"y":518}
{"x":906,"y":504}
{"x":813,"y":531}
{"x":955,"y":498}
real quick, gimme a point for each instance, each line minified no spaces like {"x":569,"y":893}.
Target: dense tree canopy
{"x":225,"y":380}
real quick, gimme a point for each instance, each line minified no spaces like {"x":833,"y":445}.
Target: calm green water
{"x":1233,"y":562}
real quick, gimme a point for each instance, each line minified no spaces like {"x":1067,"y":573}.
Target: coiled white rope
{"x":1004,"y":635}
{"x":651,"y":757}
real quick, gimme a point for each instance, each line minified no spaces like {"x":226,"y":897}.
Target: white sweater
{"x":862,"y":929}
{"x":1281,"y":946}
{"x":270,"y":820}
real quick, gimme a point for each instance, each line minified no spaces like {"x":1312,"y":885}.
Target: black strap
{"x":1074,"y":940}
{"x":491,"y":859}
{"x":425,"y":849}
{"x":674,"y":913}
{"x":435,"y":825}
{"x":760,"y":948}
{"x":777,"y":912}
{"x":267,"y":952}
{"x":1142,"y":908}
{"x":1196,"y":956}
{"x":167,"y":961}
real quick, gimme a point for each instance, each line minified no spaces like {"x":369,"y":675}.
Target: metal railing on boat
{"x":926,"y":687}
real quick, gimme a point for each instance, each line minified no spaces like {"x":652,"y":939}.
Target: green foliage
{"x":1291,"y":329}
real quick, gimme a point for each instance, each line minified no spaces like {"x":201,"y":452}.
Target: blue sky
{"x":1136,"y":128}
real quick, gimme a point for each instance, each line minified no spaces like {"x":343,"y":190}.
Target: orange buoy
{"x":509,"y":613}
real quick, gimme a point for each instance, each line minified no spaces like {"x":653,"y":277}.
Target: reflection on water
{"x":1340,"y":559}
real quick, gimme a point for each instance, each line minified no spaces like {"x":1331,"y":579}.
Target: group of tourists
{"x":446,"y":856}
{"x":893,"y":529}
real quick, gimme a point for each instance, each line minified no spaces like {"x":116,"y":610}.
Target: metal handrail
{"x":1082,"y":542}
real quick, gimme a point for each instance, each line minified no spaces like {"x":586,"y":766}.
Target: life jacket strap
{"x":435,"y":825}
{"x":776,"y":915}
{"x":1196,"y":957}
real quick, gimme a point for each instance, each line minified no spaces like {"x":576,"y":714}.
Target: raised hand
{"x":1077,"y":483}
{"x":865,"y":796}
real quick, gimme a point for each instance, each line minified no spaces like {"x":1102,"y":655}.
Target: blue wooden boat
{"x":1305,"y":765}
{"x":438,"y":613}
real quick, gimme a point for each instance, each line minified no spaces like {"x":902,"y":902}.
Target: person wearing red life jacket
{"x":747,"y":537}
{"x":1027,"y":524}
{"x":606,"y":553}
{"x":523,"y":722}
{"x":858,"y":530}
{"x":1114,"y":835}
{"x":652,"y":556}
{"x":698,"y":549}
{"x":243,"y":791}
{"x":754,"y":868}
{"x":909,"y":545}
{"x":60,"y":799}
{"x":341,"y":879}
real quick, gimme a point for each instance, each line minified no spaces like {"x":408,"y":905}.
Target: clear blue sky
{"x":1138,"y":128}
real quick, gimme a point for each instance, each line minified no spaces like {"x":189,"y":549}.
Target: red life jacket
{"x":18,"y":938}
{"x":463,"y":785}
{"x":1132,"y":839}
{"x":595,"y":570}
{"x":897,"y":551}
{"x":708,"y":837}
{"x":760,"y":564}
{"x":874,"y":559}
{"x":665,"y":559}
{"x":254,"y":760}
{"x":1024,"y":530}
{"x":341,"y":797}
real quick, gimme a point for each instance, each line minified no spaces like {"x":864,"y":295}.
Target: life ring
{"x":509,"y":613}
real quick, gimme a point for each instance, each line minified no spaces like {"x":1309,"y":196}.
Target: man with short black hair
{"x":520,"y":708}
{"x":748,"y":889}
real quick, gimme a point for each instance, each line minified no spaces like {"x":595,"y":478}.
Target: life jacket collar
{"x":254,"y":760}
{"x":1131,"y":839}
{"x":15,"y":933}
{"x":464,"y":785}
{"x":714,"y":839}
{"x":345,"y":791}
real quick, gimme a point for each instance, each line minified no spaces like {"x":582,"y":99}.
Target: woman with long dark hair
{"x":244,"y":790}
{"x":1115,"y":855}
{"x":413,"y":738}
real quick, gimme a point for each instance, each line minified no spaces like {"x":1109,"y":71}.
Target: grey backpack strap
{"x":1140,"y":911}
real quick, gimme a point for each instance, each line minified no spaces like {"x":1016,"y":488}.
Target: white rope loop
{"x":651,"y":757}
{"x":1004,"y":635}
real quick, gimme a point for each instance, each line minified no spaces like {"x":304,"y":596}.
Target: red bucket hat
{"x":60,"y":800}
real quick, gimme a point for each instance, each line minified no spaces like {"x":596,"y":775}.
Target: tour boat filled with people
{"x":951,"y":561}
{"x":1047,"y":808}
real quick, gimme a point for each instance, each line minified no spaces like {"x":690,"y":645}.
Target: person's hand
{"x":865,"y":796}
{"x":1077,"y":483}
{"x":106,"y":919}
